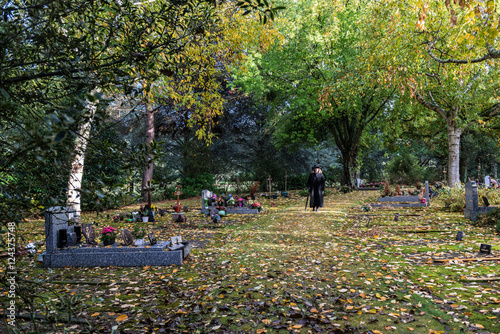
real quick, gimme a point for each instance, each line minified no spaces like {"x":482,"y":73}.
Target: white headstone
{"x":358,"y":183}
{"x":487,"y":182}
{"x":204,"y":195}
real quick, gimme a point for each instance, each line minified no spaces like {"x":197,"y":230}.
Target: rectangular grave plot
{"x":155,"y":255}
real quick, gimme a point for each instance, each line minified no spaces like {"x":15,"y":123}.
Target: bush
{"x":452,"y":198}
{"x":192,"y":186}
{"x":404,"y":169}
{"x":493,"y":195}
{"x":491,"y":218}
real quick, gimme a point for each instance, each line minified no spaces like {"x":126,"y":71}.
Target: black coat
{"x":316,"y":185}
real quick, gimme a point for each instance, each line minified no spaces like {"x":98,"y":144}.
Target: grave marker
{"x":472,"y":208}
{"x":91,"y":255}
{"x":127,"y":237}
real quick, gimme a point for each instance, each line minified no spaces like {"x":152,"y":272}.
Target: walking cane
{"x":307,"y":200}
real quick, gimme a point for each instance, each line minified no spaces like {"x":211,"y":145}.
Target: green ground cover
{"x":284,"y":270}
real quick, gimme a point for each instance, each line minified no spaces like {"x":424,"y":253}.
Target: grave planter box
{"x":148,"y":255}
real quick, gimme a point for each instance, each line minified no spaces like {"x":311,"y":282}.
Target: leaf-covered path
{"x":291,"y":270}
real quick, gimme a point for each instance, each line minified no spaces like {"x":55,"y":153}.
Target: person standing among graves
{"x":316,"y":185}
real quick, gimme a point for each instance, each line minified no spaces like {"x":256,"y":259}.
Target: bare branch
{"x":491,"y":53}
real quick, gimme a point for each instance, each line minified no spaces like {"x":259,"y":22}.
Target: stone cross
{"x":178,"y":207}
{"x":269,"y":179}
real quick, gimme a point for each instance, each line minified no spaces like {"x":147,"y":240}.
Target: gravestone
{"x":206,"y":194}
{"x":56,"y":219}
{"x":127,"y":237}
{"x":92,"y":255}
{"x":402,"y":199}
{"x":472,"y":208}
{"x":487,"y":181}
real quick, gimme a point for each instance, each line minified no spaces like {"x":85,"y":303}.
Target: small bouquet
{"x":231,"y":200}
{"x":256,"y":205}
{"x":108,"y":233}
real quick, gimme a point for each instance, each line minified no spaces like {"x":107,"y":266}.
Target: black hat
{"x":315,"y":166}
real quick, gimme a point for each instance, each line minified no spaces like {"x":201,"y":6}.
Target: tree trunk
{"x":495,"y":169}
{"x":348,"y":168}
{"x":73,"y":199}
{"x":150,"y":135}
{"x":454,"y":134}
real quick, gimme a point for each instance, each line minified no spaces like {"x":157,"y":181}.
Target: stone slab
{"x":156,"y":255}
{"x":472,"y":214}
{"x":235,"y":210}
{"x":399,"y":199}
{"x":368,"y":189}
{"x":400,"y":205}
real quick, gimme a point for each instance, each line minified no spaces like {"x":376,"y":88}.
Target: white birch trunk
{"x":150,"y":135}
{"x":454,"y":134}
{"x":73,"y":200}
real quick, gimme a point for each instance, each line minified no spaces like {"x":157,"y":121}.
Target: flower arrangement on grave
{"x":116,"y":218}
{"x":256,"y":205}
{"x":231,"y":201}
{"x":108,"y":233}
{"x":138,"y":232}
{"x":220,"y":207}
{"x":144,"y":211}
{"x":220,"y":201}
{"x":240,"y":201}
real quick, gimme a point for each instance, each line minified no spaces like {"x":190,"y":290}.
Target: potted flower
{"x":145,"y":214}
{"x":240,"y":201}
{"x":256,"y":205}
{"x":139,"y":233}
{"x":108,"y":235}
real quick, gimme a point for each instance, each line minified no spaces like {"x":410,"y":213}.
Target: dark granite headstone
{"x":459,"y":236}
{"x":72,"y":239}
{"x":127,"y":237}
{"x":472,"y":208}
{"x":89,"y":234}
{"x":62,"y":238}
{"x":78,"y":232}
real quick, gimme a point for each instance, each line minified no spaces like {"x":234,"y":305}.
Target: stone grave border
{"x":392,"y":201}
{"x":83,"y":255}
{"x":472,"y":208}
{"x":237,"y":210}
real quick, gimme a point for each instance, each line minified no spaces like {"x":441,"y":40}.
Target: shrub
{"x":452,"y":198}
{"x":491,"y":218}
{"x":404,"y":169}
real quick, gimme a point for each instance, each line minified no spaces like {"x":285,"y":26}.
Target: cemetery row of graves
{"x":363,"y":264}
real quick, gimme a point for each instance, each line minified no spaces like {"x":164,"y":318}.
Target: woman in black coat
{"x":316,"y":185}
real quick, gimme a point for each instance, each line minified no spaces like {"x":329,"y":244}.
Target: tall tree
{"x":321,"y":77}
{"x":461,"y":93}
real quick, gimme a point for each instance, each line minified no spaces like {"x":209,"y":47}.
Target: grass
{"x":287,"y":270}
